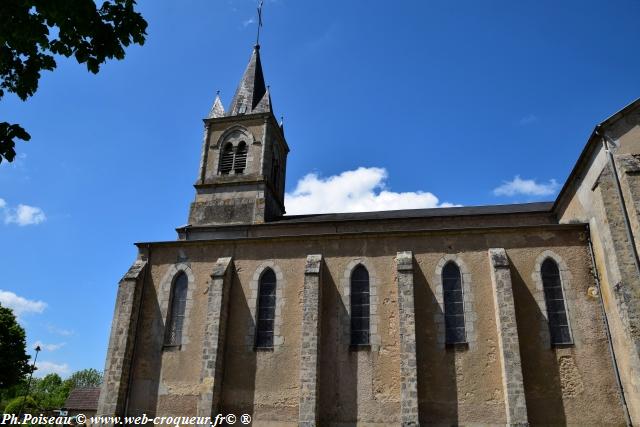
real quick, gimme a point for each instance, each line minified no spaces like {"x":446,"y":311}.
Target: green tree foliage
{"x":50,"y":392}
{"x":9,"y":393}
{"x":32,"y":31}
{"x":14,"y":361}
{"x":85,"y":378}
{"x":14,"y":405}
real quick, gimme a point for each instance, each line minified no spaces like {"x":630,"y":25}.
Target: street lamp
{"x":33,"y":368}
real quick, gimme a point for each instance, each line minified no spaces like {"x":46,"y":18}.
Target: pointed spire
{"x":264,"y":106}
{"x":251,"y":89}
{"x":217,"y":110}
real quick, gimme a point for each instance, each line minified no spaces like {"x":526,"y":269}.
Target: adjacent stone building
{"x":510,"y":314}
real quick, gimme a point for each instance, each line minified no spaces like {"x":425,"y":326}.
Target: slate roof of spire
{"x":265,"y":103}
{"x":252,"y":95}
{"x":217,"y":110}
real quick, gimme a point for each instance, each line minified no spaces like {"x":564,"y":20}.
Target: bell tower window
{"x":240,"y":161}
{"x":226,"y":160}
{"x":233,"y":159}
{"x":275,"y":170}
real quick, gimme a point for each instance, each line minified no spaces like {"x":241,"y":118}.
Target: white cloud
{"x":359,"y":190}
{"x":20,"y":305}
{"x":2,"y":203}
{"x":49,"y":347}
{"x":24,"y":215}
{"x":528,"y":119}
{"x":45,"y":368}
{"x":527,"y":187}
{"x":248,"y":22}
{"x":59,"y":331}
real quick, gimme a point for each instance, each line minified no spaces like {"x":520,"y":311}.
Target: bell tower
{"x":244,"y":157}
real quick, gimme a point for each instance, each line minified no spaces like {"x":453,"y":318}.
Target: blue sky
{"x":386,"y":104}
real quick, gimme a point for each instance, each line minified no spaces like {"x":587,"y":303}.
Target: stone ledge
{"x":498,"y":258}
{"x":220,"y":268}
{"x":135,"y":270}
{"x":404,"y":261}
{"x":313,"y":264}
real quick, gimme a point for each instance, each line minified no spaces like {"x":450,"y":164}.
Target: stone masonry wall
{"x":114,"y":389}
{"x":407,"y":318}
{"x":309,"y":352}
{"x":624,"y":278}
{"x":454,"y":386}
{"x":512,"y":382}
{"x":214,"y":338}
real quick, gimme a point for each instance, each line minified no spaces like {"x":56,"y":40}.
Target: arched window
{"x":360,"y":309}
{"x":240,"y":162}
{"x":554,"y":299}
{"x":266,"y":309}
{"x":453,"y":304}
{"x":226,"y":159}
{"x":178,"y":304}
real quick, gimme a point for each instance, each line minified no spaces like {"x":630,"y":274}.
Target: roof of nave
{"x":525,"y":208}
{"x":467,"y":219}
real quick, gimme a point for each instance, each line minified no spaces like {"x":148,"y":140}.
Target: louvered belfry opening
{"x":240,"y":161}
{"x":275,"y":171}
{"x":266,"y":309}
{"x":453,"y":304}
{"x":178,"y":306}
{"x":360,"y":306}
{"x":554,"y":299}
{"x":226,"y":160}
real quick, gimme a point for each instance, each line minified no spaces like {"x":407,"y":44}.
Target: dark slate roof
{"x":522,"y":208}
{"x":217,"y":110}
{"x":252,"y":93}
{"x":85,"y":398}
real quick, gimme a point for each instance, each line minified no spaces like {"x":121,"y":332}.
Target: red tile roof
{"x":85,"y":398}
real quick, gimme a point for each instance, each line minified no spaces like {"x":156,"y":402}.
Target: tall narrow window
{"x":178,"y":304}
{"x":226,"y":159}
{"x":453,"y":304}
{"x":275,"y":173}
{"x":240,"y":162}
{"x":360,"y":306}
{"x":554,"y":299}
{"x":266,"y":309}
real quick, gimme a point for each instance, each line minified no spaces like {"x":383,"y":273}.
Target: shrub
{"x":16,"y":403}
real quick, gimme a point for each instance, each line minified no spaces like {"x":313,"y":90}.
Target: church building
{"x":507,"y":314}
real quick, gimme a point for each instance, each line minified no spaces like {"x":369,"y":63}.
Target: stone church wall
{"x":462,"y":384}
{"x":592,"y":197}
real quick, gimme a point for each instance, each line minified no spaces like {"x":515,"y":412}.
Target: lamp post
{"x":33,"y":368}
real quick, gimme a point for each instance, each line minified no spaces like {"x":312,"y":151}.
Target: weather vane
{"x":259,"y":22}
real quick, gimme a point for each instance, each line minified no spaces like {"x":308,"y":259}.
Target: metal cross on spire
{"x":259,"y":21}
